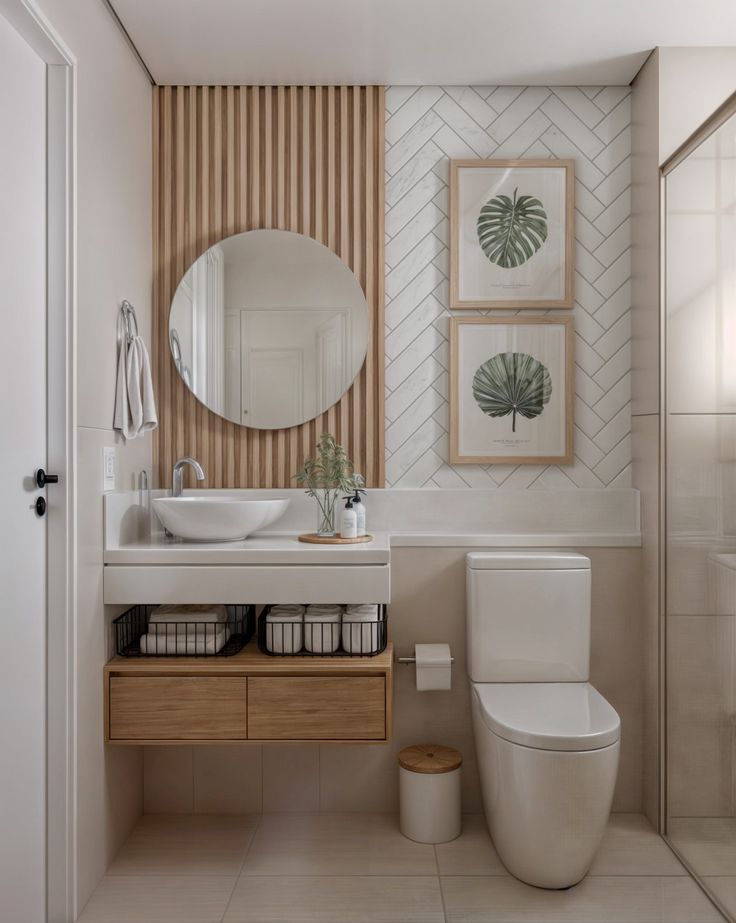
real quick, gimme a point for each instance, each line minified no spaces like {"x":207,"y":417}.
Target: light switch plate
{"x":109,"y":467}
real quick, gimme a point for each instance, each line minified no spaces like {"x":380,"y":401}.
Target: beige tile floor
{"x":357,"y":868}
{"x":708,"y":845}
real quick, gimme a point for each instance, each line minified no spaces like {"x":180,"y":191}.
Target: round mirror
{"x":268,"y":328}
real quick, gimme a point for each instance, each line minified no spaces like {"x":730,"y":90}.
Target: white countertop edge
{"x":516,"y":540}
{"x":243,"y":554}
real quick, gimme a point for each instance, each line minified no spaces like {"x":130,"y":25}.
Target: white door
{"x":273,"y":387}
{"x":23,"y":450}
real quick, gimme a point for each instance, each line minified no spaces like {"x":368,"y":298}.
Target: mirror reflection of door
{"x":290,"y":365}
{"x":273,"y":386}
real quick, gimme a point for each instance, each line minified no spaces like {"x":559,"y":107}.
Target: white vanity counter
{"x":142,"y":564}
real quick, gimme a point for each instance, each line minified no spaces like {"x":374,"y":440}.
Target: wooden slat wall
{"x":232,"y":159}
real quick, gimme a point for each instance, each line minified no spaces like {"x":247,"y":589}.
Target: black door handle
{"x":40,"y":506}
{"x":42,"y":479}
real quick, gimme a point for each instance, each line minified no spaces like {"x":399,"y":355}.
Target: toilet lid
{"x":548,"y":716}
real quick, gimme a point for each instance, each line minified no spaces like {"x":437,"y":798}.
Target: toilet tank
{"x":528,"y":617}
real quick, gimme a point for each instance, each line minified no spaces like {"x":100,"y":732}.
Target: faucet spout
{"x":176,"y":480}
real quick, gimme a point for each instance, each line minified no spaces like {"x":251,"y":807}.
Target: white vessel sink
{"x":216,"y":519}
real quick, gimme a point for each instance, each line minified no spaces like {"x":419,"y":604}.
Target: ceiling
{"x":476,"y":42}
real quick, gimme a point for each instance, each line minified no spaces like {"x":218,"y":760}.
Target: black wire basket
{"x":323,"y":639}
{"x":133,"y":637}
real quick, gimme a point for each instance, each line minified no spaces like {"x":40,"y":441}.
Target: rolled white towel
{"x":159,"y":644}
{"x":285,"y":629}
{"x":361,"y":629}
{"x":322,"y":628}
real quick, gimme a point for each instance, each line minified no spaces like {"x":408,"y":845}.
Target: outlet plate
{"x":109,"y":467}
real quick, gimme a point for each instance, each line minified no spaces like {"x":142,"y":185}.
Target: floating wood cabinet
{"x":250,"y":697}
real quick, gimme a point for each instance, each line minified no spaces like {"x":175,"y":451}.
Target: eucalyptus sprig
{"x":330,"y":470}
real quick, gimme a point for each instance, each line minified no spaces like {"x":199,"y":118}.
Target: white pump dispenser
{"x":359,"y":508}
{"x":349,"y":521}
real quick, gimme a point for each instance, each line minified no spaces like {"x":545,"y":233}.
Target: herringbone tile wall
{"x":425,"y":127}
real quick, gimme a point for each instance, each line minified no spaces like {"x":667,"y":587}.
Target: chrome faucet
{"x":177,"y":474}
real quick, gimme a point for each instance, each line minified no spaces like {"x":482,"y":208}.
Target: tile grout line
{"x":242,"y":864}
{"x":439,"y":882}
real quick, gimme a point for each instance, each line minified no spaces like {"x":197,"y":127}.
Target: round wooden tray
{"x":314,"y":539}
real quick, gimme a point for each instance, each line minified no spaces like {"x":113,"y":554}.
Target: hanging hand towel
{"x":140,"y":388}
{"x":135,"y":406}
{"x":122,"y":421}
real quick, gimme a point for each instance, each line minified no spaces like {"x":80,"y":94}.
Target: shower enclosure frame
{"x":712,"y":124}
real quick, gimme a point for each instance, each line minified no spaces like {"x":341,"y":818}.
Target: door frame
{"x":61,"y":839}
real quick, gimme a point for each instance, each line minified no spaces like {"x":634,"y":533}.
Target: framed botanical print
{"x":511,"y":390}
{"x":511,"y":233}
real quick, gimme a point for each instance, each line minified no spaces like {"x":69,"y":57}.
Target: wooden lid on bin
{"x":430,"y":758}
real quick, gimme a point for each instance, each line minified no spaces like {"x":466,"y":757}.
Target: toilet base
{"x":546,"y":810}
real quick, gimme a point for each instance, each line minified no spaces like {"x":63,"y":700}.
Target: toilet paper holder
{"x":433,"y":664}
{"x":406,"y":660}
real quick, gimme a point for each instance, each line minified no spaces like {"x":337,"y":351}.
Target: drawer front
{"x":317,"y":708}
{"x":178,"y":708}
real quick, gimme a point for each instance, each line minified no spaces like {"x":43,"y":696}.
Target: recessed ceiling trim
{"x":126,"y":35}
{"x":414,"y":42}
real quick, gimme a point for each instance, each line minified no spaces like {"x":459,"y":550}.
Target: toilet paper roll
{"x":434,"y":665}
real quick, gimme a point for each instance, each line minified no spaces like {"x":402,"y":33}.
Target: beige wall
{"x":428,"y":605}
{"x":113,"y":210}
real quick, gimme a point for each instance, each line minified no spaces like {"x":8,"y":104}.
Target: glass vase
{"x":326,"y":510}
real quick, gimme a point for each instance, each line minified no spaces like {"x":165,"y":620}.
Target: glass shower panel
{"x":700,"y":406}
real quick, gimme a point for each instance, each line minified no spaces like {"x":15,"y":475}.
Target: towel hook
{"x":127,"y":323}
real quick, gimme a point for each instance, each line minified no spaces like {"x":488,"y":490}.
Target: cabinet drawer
{"x":177,"y":707}
{"x":317,"y":708}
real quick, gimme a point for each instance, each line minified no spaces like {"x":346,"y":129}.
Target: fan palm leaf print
{"x":512,"y":383}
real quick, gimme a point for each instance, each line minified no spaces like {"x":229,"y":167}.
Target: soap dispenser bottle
{"x":349,"y":521}
{"x":359,"y":508}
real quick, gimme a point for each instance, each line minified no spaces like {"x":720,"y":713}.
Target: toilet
{"x":547,"y":741}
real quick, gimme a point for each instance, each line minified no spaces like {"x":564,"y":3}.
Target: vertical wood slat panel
{"x":232,"y":159}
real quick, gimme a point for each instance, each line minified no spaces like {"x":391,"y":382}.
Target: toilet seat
{"x":571,"y":717}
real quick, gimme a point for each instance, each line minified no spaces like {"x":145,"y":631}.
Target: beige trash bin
{"x":429,"y":793}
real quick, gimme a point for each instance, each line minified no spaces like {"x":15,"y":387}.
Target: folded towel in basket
{"x":323,"y":612}
{"x":179,"y":613}
{"x":186,"y":622}
{"x":195,"y":643}
{"x":363,"y":612}
{"x":285,"y":612}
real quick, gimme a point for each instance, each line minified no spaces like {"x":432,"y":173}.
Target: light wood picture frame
{"x":512,"y":235}
{"x":511,"y":390}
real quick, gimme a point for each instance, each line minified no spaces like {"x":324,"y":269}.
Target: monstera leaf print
{"x":511,"y":231}
{"x":511,"y":383}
